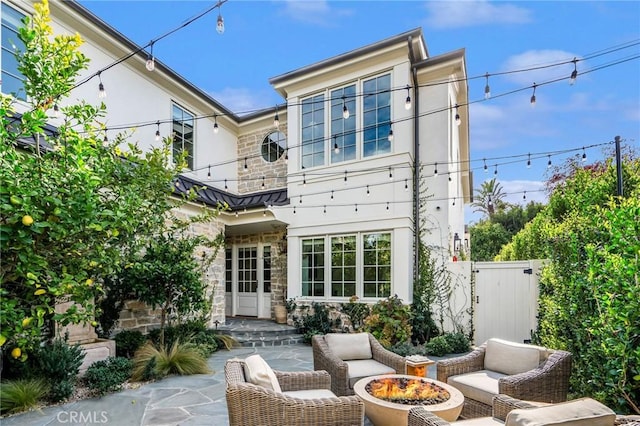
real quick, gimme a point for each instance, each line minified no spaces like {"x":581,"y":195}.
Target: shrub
{"x":458,"y":342}
{"x":405,"y":349}
{"x":389,"y":322}
{"x":128,"y":342}
{"x":205,"y":340}
{"x":108,"y":375}
{"x":316,"y":322}
{"x":438,"y":346}
{"x":59,"y":363}
{"x":181,"y":358}
{"x":356,"y":312}
{"x":22,"y":394}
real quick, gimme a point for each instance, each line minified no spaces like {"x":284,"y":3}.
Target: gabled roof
{"x":212,"y":196}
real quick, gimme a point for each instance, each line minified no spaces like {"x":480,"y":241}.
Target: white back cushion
{"x":258,"y":372}
{"x":510,"y":357}
{"x":579,"y":412}
{"x":348,"y":346}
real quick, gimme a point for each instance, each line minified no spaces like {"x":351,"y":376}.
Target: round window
{"x":273,"y":146}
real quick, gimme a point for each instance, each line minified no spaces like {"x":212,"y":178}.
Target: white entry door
{"x":247,"y":281}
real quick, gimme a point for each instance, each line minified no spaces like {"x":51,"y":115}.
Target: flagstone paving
{"x":177,"y":400}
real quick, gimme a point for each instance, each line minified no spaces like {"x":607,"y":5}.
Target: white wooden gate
{"x":506,"y":300}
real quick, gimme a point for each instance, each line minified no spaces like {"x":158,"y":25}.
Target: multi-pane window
{"x":376,"y":116}
{"x":360,"y":265}
{"x":376,"y":265}
{"x":313,"y":267}
{"x":343,"y":266}
{"x":183,"y":136}
{"x":343,"y":130}
{"x":313,"y":144}
{"x":228,"y":270}
{"x":247,"y":270}
{"x":273,"y":146}
{"x":12,"y":79}
{"x":266,"y":269}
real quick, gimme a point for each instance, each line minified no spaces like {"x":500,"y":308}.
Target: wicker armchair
{"x":502,"y":406}
{"x":548,"y":382}
{"x":341,"y":381}
{"x":252,"y":405}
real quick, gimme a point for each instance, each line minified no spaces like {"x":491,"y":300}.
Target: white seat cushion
{"x":480,"y":386}
{"x":361,"y":368}
{"x":258,"y":372}
{"x":579,"y":412}
{"x":479,"y":421}
{"x":348,"y":346}
{"x":311,"y":394}
{"x":512,"y":358}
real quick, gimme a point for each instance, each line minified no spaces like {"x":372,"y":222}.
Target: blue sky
{"x":263,"y":39}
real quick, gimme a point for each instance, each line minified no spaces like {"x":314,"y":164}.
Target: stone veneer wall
{"x":278,"y":243}
{"x":250,"y":179}
{"x":136,"y":315}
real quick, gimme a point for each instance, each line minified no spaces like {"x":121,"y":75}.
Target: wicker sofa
{"x":304,"y":400}
{"x":525,"y":372}
{"x":592,"y":413}
{"x":350,"y":357}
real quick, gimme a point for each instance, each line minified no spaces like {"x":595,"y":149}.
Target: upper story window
{"x":358,"y":123}
{"x":273,"y":146}
{"x":183,"y":135}
{"x":12,"y":79}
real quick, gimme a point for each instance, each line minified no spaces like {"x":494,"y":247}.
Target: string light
{"x":495,"y":172}
{"x":387,"y":206}
{"x":549,"y":162}
{"x":487,"y":89}
{"x":216,"y":129}
{"x":332,"y":194}
{"x":209,"y":172}
{"x":458,"y":120}
{"x":524,"y":195}
{"x":56,"y":110}
{"x":294,"y":209}
{"x":226,"y":187}
{"x":390,"y":136}
{"x":220,"y":22}
{"x":101,"y":92}
{"x":262,"y":182}
{"x":324,"y":209}
{"x":356,"y":208}
{"x":529,"y":161}
{"x":345,"y":110}
{"x":449,"y":174}
{"x":158,"y":133}
{"x":300,"y":200}
{"x":584,"y":155}
{"x":407,"y":102}
{"x":151,"y":62}
{"x":286,"y":156}
{"x":276,"y":119}
{"x":345,"y":177}
{"x":245,"y":163}
{"x":368,"y":192}
{"x":406,"y":185}
{"x":236,"y":213}
{"x":574,"y":73}
{"x":533,"y":96}
{"x":105,"y":141}
{"x":435,"y":170}
{"x":454,"y":201}
{"x":304,"y":180}
{"x":264,"y":212}
{"x":390,"y":174}
{"x":336,"y":148}
{"x":486,"y":169}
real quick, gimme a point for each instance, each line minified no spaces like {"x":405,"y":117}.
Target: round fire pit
{"x":399,"y":393}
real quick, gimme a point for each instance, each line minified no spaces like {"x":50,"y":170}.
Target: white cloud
{"x":243,"y":100}
{"x":456,"y":14}
{"x":538,"y":58}
{"x":316,"y":12}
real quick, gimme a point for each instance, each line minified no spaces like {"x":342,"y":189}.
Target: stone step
{"x":266,"y":341}
{"x":260,"y":333}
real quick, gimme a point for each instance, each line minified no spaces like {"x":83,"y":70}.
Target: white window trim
{"x":359,"y":266}
{"x":194,"y":166}
{"x":328,"y":140}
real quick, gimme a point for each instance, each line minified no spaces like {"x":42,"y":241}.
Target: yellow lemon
{"x":26,"y":321}
{"x":27,"y":220}
{"x":93,"y":263}
{"x":39,"y":291}
{"x":94,"y":323}
{"x":16,"y":352}
{"x":2,"y":340}
{"x":89,"y":282}
{"x":15,"y":200}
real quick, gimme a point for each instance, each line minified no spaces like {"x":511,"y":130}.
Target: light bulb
{"x":101,"y":92}
{"x":157,"y":135}
{"x":390,"y":137}
{"x":286,"y":157}
{"x":487,"y":89}
{"x":345,"y":112}
{"x":216,"y":129}
{"x":276,"y":121}
{"x":458,"y":120}
{"x":56,"y":111}
{"x":435,"y":170}
{"x":220,"y":25}
{"x":336,"y":148}
{"x":574,"y":73}
{"x":151,"y":63}
{"x":407,"y":103}
{"x":533,"y":96}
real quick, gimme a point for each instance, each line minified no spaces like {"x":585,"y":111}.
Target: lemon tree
{"x":72,"y":209}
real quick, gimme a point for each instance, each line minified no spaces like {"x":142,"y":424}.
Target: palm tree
{"x":489,"y":198}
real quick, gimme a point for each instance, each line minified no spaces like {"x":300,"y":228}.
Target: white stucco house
{"x":327,"y":204}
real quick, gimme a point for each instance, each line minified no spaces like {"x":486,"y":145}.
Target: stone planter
{"x":281,"y":314}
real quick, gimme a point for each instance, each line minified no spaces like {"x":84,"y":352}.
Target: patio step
{"x":252,"y":333}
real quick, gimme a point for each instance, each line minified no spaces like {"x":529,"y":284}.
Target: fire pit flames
{"x":402,"y":390}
